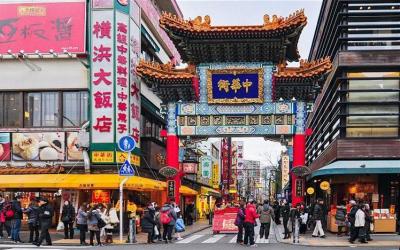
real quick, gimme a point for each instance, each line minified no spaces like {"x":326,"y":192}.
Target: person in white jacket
{"x":111,"y":219}
{"x":360,"y":223}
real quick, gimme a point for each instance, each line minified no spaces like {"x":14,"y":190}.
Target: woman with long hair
{"x":81,"y":222}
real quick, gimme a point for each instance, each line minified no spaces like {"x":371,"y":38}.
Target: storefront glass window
{"x":12,"y":108}
{"x":33,"y":112}
{"x":75,"y":105}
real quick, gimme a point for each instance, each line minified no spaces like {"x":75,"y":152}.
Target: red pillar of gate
{"x":172,"y":160}
{"x":299,"y":159}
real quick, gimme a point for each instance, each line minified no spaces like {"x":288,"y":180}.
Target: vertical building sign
{"x":102,"y":79}
{"x":205,"y":163}
{"x":121,"y":74}
{"x":285,"y":170}
{"x":134,"y":52}
{"x":215,"y":176}
{"x":115,"y":88}
{"x":224,"y":164}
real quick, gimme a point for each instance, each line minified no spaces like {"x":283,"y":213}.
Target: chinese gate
{"x":236,"y":84}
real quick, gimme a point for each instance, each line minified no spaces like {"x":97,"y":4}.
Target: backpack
{"x":165,"y":217}
{"x":9,"y":213}
{"x":340,"y":215}
{"x":239,"y":218}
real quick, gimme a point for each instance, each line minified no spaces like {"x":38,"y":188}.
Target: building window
{"x":42,"y":109}
{"x":373,"y":109}
{"x":75,"y":108}
{"x":10,"y":110}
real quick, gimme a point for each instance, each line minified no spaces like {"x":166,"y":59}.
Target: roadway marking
{"x":233,"y":240}
{"x":214,"y":238}
{"x":190,"y":239}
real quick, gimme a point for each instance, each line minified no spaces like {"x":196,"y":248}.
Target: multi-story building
{"x":355,"y":144}
{"x":47,"y":65}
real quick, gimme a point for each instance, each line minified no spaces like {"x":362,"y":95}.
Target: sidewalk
{"x":58,"y":236}
{"x":379,"y":240}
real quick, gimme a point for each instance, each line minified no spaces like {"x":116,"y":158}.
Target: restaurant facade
{"x":354,"y":148}
{"x":63,"y":105}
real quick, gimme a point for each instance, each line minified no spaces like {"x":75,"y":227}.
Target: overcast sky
{"x":251,"y":12}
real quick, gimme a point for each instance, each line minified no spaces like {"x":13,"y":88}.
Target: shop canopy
{"x":210,"y":191}
{"x":84,"y":181}
{"x":359,"y":167}
{"x":187,"y":191}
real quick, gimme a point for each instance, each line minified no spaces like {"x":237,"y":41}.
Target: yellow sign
{"x":102,"y":156}
{"x":310,"y":190}
{"x":232,"y":191}
{"x":324,"y":185}
{"x":122,"y":156}
{"x":215,"y":175}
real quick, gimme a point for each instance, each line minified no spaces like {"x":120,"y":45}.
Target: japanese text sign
{"x":102,"y":87}
{"x":235,"y":86}
{"x":206,"y":165}
{"x":171,"y":188}
{"x":42,"y":27}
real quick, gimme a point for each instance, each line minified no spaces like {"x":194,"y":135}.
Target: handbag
{"x":60,"y":226}
{"x":156,"y":232}
{"x":372,"y":227}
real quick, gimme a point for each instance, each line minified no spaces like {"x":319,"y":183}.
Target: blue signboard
{"x":227,"y":86}
{"x":126,"y":169}
{"x":127,"y":143}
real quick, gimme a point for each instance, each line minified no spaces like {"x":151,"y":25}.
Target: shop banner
{"x":37,"y":26}
{"x":171,"y":188}
{"x":101,"y":197}
{"x":73,"y":152}
{"x":102,"y":87}
{"x":5,"y":147}
{"x":189,"y":167}
{"x":121,"y":50}
{"x":134,"y":55}
{"x":48,"y":146}
{"x":205,"y":163}
{"x":224,"y":220}
{"x":215,"y":176}
{"x":285,"y":170}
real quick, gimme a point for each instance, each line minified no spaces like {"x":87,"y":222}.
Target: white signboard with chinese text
{"x":121,"y":74}
{"x":102,"y":77}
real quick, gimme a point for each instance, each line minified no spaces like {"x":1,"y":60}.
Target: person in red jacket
{"x":249,"y":223}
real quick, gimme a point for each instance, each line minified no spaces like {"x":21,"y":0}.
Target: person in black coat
{"x":33,"y":221}
{"x":285,"y":210}
{"x":189,"y":214}
{"x":148,"y":223}
{"x":277,"y":212}
{"x":68,"y":217}
{"x":16,"y":220}
{"x":46,"y":213}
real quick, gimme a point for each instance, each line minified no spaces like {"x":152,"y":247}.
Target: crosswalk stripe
{"x":190,"y":239}
{"x":26,"y":246}
{"x":233,"y":240}
{"x":258,"y":240}
{"x":214,"y":238}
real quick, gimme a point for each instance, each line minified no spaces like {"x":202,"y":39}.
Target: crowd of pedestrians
{"x":161,"y":223}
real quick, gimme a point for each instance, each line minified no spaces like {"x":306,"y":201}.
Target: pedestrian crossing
{"x":221,"y":239}
{"x":30,"y":247}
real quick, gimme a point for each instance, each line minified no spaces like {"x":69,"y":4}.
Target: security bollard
{"x":132,"y":231}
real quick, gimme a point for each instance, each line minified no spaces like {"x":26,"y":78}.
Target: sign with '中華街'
{"x":231,"y":86}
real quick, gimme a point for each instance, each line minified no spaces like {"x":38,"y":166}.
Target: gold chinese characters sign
{"x":235,"y":86}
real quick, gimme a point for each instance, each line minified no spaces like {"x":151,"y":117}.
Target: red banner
{"x":224,"y":220}
{"x":43,"y":27}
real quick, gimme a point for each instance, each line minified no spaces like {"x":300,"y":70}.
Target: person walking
{"x":285,"y":210}
{"x":318,"y":214}
{"x":239,"y":222}
{"x":33,"y":221}
{"x":67,"y":218}
{"x":110,"y":218}
{"x":81,"y":223}
{"x":168,"y":219}
{"x":148,"y":223}
{"x":266,"y":215}
{"x":46,"y":213}
{"x":16,"y":220}
{"x":158,"y":224}
{"x":277,"y":212}
{"x":340,"y":217}
{"x":295,"y":219}
{"x":2,"y":216}
{"x":7,"y":214}
{"x":352,"y":220}
{"x":368,"y":221}
{"x":179,"y":227}
{"x":93,"y":224}
{"x":360,"y":224}
{"x":249,"y":222}
{"x":189,"y":214}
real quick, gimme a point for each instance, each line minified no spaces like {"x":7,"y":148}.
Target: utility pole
{"x":229,"y":142}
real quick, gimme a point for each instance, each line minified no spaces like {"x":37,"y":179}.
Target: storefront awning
{"x":187,"y":191}
{"x":210,"y":191}
{"x":79,"y":181}
{"x":359,"y":167}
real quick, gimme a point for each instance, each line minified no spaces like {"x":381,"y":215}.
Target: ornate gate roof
{"x":198,"y":41}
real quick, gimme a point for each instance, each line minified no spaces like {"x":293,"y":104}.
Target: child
{"x":179,"y":227}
